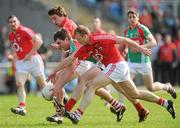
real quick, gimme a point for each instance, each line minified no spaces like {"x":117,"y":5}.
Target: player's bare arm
{"x":63,"y":64}
{"x":133,"y":44}
{"x":151,"y":42}
{"x":37,"y":44}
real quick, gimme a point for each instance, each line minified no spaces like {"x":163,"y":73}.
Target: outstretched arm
{"x":133,"y":45}
{"x":63,"y":64}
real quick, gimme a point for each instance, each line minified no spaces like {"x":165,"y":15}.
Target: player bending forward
{"x":116,"y":70}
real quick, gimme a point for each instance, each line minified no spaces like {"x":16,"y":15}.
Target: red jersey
{"x":178,"y":48}
{"x":22,"y":41}
{"x":69,"y":25}
{"x":166,"y":52}
{"x":102,"y":47}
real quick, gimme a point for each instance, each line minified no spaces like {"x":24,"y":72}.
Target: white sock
{"x":21,"y":94}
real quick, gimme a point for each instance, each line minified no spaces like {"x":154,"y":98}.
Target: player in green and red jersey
{"x":138,"y":62}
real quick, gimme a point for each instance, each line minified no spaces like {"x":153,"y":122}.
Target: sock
{"x":116,"y":105}
{"x":78,"y":113}
{"x":22,"y":104}
{"x":21,"y":94}
{"x":163,"y":102}
{"x":138,"y":107}
{"x":69,"y":105}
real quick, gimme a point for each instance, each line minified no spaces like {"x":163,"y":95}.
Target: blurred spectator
{"x":177,"y":70}
{"x":133,"y":4}
{"x":10,"y":81}
{"x":154,"y":57}
{"x":170,"y":21}
{"x":159,"y":25}
{"x":2,"y":44}
{"x":167,"y":56}
{"x":146,"y":18}
{"x":97,"y":26}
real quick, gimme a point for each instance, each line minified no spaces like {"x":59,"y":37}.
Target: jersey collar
{"x":130,"y":27}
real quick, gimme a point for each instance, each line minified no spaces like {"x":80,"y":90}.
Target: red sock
{"x":69,"y":105}
{"x":161,"y":101}
{"x":22,"y":104}
{"x":138,"y":107}
{"x":80,"y":111}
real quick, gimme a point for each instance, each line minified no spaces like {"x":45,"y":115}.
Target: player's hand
{"x":10,"y":58}
{"x":147,"y":51}
{"x":54,"y":46}
{"x":56,"y":91}
{"x":52,"y":77}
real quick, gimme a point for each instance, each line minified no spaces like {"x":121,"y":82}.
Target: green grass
{"x":96,"y":116}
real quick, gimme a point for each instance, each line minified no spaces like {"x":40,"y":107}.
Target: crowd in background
{"x":159,"y":17}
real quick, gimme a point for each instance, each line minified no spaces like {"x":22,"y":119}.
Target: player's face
{"x":82,"y":39}
{"x":13,"y":23}
{"x":63,"y":44}
{"x":57,"y":20}
{"x":133,"y":19}
{"x":97,"y":23}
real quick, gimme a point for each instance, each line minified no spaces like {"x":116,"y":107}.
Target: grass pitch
{"x":96,"y":116}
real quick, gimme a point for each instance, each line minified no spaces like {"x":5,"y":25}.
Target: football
{"x":47,"y":92}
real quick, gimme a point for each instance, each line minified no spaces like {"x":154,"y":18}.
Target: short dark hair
{"x":132,"y":11}
{"x":62,"y":35}
{"x":11,"y":16}
{"x":58,"y":10}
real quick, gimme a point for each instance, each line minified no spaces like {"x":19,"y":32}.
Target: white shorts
{"x":140,"y":68}
{"x":35,"y":66}
{"x":118,"y":72}
{"x":84,"y":66}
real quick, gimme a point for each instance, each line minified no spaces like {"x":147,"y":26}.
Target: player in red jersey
{"x":25,"y":44}
{"x":116,"y":72}
{"x":59,"y":17}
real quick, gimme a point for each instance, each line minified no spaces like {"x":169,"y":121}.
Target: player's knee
{"x":150,"y":89}
{"x":135,"y":95}
{"x":81,"y":80}
{"x":19,"y":84}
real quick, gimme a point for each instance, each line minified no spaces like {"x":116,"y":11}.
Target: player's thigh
{"x":21,"y":78}
{"x":129,"y":88}
{"x":148,"y":80}
{"x":101,"y":80}
{"x":37,"y":66}
{"x":65,"y":76}
{"x":90,"y":74}
{"x":41,"y":80}
{"x":132,"y":75}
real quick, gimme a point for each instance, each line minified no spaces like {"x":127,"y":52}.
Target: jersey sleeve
{"x":146,"y":31}
{"x":29,"y":33}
